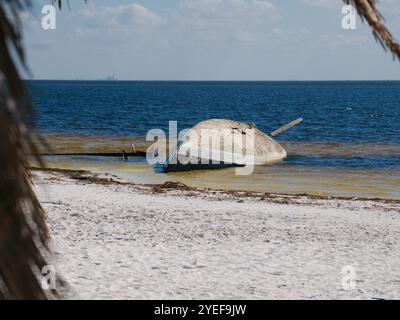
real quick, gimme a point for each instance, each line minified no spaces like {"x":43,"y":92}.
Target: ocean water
{"x":347,"y":145}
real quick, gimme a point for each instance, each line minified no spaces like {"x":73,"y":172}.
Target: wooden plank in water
{"x":286,"y":127}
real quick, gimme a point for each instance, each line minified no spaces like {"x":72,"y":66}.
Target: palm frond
{"x":368,"y":11}
{"x":22,"y":220}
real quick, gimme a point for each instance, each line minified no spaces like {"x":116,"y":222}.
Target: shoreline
{"x":88,"y":176}
{"x":317,"y":168}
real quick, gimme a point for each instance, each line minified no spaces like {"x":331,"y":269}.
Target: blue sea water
{"x":351,"y":114}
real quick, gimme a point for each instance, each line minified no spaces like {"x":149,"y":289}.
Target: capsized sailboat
{"x":222,"y":143}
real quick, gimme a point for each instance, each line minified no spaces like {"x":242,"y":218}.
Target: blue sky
{"x":208,"y":40}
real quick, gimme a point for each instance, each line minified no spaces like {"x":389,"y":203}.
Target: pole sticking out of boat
{"x":286,"y":127}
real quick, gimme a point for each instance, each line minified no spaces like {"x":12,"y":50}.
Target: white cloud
{"x":116,"y":24}
{"x":122,"y":16}
{"x":204,"y":20}
{"x":224,"y":20}
{"x":227,"y":9}
{"x":325,"y":4}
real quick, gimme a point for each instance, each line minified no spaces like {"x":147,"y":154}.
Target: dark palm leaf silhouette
{"x":22,"y":224}
{"x":21,"y":216}
{"x":369,"y":12}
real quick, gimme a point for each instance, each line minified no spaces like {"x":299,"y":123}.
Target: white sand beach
{"x":125,"y":241}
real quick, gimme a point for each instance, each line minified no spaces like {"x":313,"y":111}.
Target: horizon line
{"x":171,"y":80}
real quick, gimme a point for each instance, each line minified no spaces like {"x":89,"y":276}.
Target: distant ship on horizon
{"x":110,"y":78}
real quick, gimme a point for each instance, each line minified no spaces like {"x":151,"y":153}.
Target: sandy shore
{"x":117,"y":241}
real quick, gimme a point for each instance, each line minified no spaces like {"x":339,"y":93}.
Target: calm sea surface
{"x":348,"y":144}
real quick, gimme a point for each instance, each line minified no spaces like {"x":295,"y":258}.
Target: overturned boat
{"x":222,"y":143}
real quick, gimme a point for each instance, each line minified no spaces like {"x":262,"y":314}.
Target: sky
{"x":207,"y":40}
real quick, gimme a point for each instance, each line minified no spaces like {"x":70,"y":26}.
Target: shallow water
{"x":353,"y":174}
{"x":348,"y":144}
{"x":280,"y":178}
